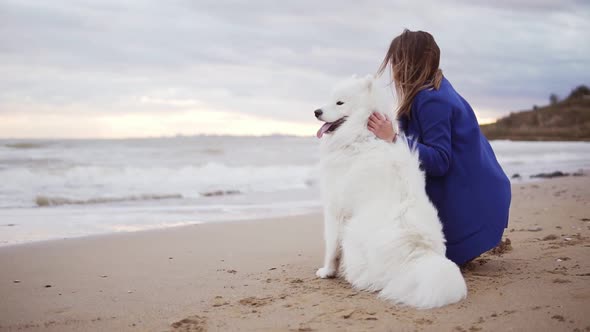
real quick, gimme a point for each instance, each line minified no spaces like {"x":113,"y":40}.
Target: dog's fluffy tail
{"x":430,"y":280}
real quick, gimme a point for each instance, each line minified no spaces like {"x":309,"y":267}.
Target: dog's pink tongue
{"x":323,"y":129}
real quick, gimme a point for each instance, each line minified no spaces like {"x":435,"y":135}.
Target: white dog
{"x":382,"y":233}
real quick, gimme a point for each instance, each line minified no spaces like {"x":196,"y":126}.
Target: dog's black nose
{"x":318,"y":113}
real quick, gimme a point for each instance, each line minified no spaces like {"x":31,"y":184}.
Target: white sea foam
{"x":528,"y":158}
{"x":55,"y":201}
{"x":56,"y":189}
{"x":90,"y":184}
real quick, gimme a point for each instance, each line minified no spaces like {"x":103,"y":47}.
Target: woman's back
{"x":469,"y":188}
{"x":463,"y":178}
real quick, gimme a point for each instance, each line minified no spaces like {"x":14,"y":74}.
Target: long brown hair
{"x":414,"y":58}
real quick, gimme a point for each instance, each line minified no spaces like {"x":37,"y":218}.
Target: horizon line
{"x":153,"y":137}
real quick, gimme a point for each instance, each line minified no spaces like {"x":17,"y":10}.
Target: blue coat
{"x":463,"y":178}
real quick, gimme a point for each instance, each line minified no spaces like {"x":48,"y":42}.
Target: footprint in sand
{"x":550,"y":237}
{"x":254,"y":301}
{"x":219,"y":301}
{"x":190,"y":324}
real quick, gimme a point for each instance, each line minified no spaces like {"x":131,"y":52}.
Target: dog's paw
{"x":325,"y":272}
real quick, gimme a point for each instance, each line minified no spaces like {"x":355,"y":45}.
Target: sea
{"x":54,"y":189}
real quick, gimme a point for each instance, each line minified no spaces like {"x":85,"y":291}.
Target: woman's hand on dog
{"x":381,"y":126}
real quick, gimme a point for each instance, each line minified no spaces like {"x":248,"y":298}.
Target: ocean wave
{"x":43,"y":201}
{"x":40,"y":163}
{"x":212,"y":151}
{"x":24,"y":145}
{"x":220,"y":193}
{"x":88,"y":184}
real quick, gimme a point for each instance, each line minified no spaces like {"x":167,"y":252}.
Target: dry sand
{"x":259,"y":275}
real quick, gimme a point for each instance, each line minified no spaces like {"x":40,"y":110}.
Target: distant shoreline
{"x":17,"y":143}
{"x":516,"y":178}
{"x":565,"y":120}
{"x":523,"y":138}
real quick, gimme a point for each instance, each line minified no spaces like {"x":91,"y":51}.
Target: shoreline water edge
{"x":71,"y":188}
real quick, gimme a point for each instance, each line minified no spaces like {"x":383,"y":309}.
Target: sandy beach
{"x":259,"y":275}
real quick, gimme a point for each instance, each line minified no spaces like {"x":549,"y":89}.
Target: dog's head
{"x":353,"y":97}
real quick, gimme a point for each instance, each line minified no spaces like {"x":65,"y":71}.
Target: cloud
{"x":272,"y":60}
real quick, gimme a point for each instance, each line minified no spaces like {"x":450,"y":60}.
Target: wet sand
{"x":259,"y":275}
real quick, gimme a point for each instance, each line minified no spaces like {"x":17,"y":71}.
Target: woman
{"x":463,"y":178}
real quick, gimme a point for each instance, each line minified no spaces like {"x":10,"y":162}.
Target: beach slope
{"x":259,"y":275}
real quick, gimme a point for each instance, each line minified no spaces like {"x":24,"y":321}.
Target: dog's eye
{"x":339,"y":103}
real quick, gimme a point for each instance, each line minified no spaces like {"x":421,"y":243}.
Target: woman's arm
{"x":382,"y":127}
{"x":434,"y":117}
{"x":435,"y":151}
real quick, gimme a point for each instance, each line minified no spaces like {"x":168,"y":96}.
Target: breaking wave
{"x":42,"y":201}
{"x":24,"y":145}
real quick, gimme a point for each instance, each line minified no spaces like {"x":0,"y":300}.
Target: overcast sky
{"x":111,"y":68}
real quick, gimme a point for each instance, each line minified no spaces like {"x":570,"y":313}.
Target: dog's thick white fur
{"x":382,"y":233}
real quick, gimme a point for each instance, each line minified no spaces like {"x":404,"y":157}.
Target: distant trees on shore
{"x":578,"y":92}
{"x":564,"y":119}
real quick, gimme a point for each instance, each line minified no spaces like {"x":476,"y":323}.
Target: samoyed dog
{"x":381,"y":232}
